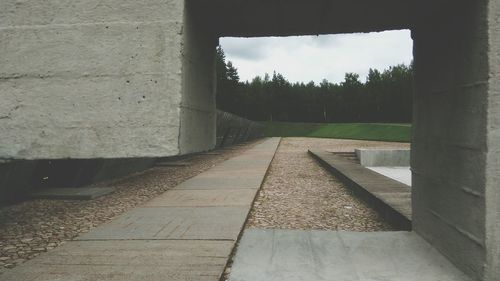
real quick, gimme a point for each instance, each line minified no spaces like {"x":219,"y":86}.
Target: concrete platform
{"x":390,"y":198}
{"x":204,"y":198}
{"x":222,"y":182}
{"x":80,"y":193}
{"x":127,"y":260}
{"x":298,"y":255}
{"x":183,"y":235}
{"x":220,"y":223}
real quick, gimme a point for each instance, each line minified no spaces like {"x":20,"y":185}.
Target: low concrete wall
{"x":20,"y":177}
{"x":232,"y":129}
{"x":384,"y":157}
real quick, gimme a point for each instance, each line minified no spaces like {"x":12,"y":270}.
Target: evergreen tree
{"x":384,"y":97}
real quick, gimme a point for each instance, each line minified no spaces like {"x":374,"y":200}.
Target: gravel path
{"x":299,"y":194}
{"x":35,"y":226}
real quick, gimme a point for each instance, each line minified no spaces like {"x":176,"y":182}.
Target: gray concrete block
{"x":55,"y":12}
{"x":113,"y":98}
{"x":77,"y":193}
{"x":204,"y":198}
{"x":279,"y":255}
{"x":384,"y":157}
{"x":127,"y":260}
{"x":219,"y":223}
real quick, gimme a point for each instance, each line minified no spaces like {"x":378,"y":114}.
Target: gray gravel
{"x":35,"y":226}
{"x":300,"y":194}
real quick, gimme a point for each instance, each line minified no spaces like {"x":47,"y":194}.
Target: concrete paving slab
{"x":79,"y":193}
{"x":279,"y":255}
{"x":240,"y":168}
{"x":220,"y":223}
{"x":161,"y":241}
{"x":202,"y":182}
{"x":247,"y":174}
{"x":127,"y":260}
{"x":204,"y":198}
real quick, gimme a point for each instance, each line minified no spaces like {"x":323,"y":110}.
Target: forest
{"x":385,"y":97}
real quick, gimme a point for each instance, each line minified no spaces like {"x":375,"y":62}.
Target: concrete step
{"x":313,"y":255}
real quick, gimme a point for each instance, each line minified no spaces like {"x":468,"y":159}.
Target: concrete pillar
{"x":492,"y":188}
{"x":455,"y":163}
{"x":103,"y":79}
{"x":198,"y":112}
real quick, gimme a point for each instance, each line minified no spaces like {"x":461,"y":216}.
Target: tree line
{"x":385,"y":96}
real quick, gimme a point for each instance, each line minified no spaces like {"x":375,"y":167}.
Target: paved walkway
{"x":309,"y":255}
{"x":185,"y":234}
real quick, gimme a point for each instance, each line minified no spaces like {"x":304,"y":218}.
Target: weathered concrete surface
{"x":312,"y":17}
{"x":206,"y":182}
{"x":80,"y":193}
{"x":223,"y":223}
{"x":175,"y":260}
{"x":455,"y":135}
{"x":117,"y":79}
{"x":190,"y":241}
{"x":383,"y":157}
{"x":197,"y":108}
{"x":104,"y":80}
{"x":296,"y":255}
{"x":204,"y":198}
{"x":492,"y":190}
{"x":390,"y":198}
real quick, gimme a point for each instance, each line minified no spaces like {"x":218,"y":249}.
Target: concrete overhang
{"x":258,"y":18}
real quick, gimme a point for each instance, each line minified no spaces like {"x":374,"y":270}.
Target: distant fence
{"x":232,"y":129}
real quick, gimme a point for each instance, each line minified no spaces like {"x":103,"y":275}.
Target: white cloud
{"x":307,"y":58}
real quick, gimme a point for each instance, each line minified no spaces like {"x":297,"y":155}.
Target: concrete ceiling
{"x":245,"y":18}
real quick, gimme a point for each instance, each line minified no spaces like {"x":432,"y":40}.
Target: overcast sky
{"x":307,"y":58}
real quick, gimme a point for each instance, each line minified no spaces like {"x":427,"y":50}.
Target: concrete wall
{"x":492,"y":187}
{"x":455,"y":136}
{"x":19,"y":178}
{"x":132,"y":79}
{"x":198,"y":114}
{"x":90,"y":79}
{"x":232,"y":129}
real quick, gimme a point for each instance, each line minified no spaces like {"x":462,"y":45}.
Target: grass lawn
{"x":357,"y":131}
